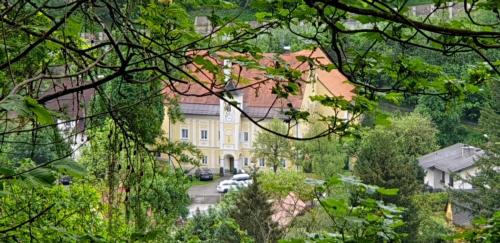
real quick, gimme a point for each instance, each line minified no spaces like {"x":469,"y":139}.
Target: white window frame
{"x":246,"y":137}
{"x":204,"y":160}
{"x":182,"y":133}
{"x":206,"y":134}
{"x":262,"y":162}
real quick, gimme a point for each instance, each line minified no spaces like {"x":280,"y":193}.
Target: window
{"x":283,"y":162}
{"x":451,"y":181}
{"x":442,"y":176}
{"x":184,"y":133}
{"x":245,"y":136}
{"x":262,"y":162}
{"x":204,"y":160}
{"x":245,"y":161}
{"x":204,"y":135}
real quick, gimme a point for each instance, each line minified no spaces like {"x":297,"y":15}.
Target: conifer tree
{"x":253,"y":212}
{"x":484,"y":199}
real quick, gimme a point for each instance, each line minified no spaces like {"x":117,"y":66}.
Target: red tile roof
{"x":257,"y":87}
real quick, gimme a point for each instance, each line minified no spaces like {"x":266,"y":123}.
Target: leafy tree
{"x":358,"y":214}
{"x":447,"y":117}
{"x":43,"y":146}
{"x":387,"y":155}
{"x":253,"y":212}
{"x":145,"y":119}
{"x":485,"y":198}
{"x":212,"y":226}
{"x":147,"y":41}
{"x":271,"y":147}
{"x":325,"y":156}
{"x":485,"y":230}
{"x":279,"y":185}
{"x":430,"y":212}
{"x":145,"y":193}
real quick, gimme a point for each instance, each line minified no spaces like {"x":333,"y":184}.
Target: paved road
{"x":204,"y":196}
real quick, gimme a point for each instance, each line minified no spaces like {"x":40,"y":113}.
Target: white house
{"x":447,"y":167}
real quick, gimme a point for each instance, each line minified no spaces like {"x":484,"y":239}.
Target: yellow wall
{"x":212,"y":146}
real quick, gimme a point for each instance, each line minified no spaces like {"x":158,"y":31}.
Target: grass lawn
{"x":196,"y":182}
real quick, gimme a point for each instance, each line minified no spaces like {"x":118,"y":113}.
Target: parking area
{"x":204,"y":196}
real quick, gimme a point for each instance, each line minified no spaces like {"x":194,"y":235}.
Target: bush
{"x":212,"y":226}
{"x":280,"y":184}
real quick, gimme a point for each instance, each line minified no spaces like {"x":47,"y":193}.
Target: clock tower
{"x":229,"y":126}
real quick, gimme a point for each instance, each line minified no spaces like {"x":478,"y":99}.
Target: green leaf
{"x":42,"y":115}
{"x":338,"y":206}
{"x":13,"y":103}
{"x":70,"y":167}
{"x":292,"y":88}
{"x":394,"y":97}
{"x":388,"y":192}
{"x":206,"y":64}
{"x":261,"y":16}
{"x":6,"y":171}
{"x":41,"y":175}
{"x":382,"y":119}
{"x":372,"y":217}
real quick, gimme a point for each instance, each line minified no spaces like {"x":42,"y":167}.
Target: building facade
{"x":225,"y":134}
{"x":450,"y":167}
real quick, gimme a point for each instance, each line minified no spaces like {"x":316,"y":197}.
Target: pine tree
{"x":485,"y":198}
{"x":253,"y":212}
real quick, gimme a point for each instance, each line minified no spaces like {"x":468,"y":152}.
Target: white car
{"x":227,"y":185}
{"x":242,"y":179}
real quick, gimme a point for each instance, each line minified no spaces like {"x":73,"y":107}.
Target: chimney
{"x":287,"y":49}
{"x":467,"y":150}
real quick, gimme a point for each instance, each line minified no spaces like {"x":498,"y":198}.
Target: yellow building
{"x":224,"y":133}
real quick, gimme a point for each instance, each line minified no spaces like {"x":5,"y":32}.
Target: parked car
{"x":242,"y":179}
{"x":204,"y":174}
{"x":65,"y":180}
{"x":228,"y":185}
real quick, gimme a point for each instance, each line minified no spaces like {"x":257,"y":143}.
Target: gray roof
{"x":454,"y":158}
{"x":261,"y":112}
{"x":213,"y":110}
{"x":200,"y":109}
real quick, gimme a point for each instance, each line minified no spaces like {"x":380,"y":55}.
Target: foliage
{"x":74,"y":212}
{"x":148,"y":44}
{"x":359,"y":217}
{"x":325,"y":156}
{"x":212,"y":226}
{"x":146,"y":194}
{"x":146,"y":117}
{"x":271,"y":147}
{"x":447,"y":117}
{"x":253,"y":212}
{"x":280,"y":184}
{"x":387,"y":155}
{"x":433,"y":226}
{"x":485,"y":230}
{"x":485,"y":199}
{"x":42,"y":146}
{"x":314,"y":220}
